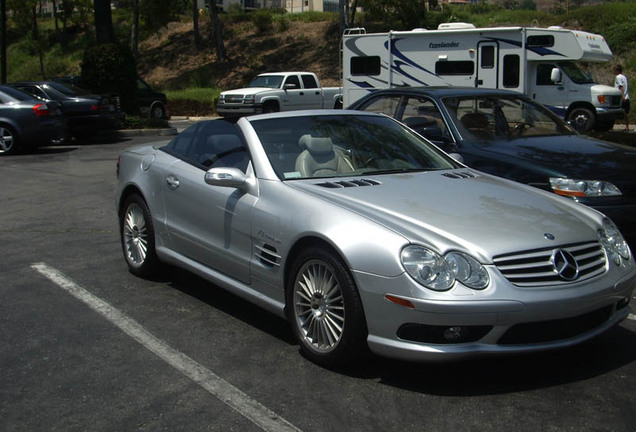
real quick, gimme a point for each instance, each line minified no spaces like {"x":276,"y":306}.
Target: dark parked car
{"x":87,"y":113}
{"x":151,"y":103}
{"x":509,"y":135}
{"x":28,"y":122}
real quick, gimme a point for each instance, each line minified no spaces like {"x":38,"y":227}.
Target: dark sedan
{"x":28,"y":122}
{"x":509,"y":135}
{"x":87,"y":113}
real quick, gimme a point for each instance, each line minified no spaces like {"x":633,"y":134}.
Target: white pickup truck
{"x":279,"y":91}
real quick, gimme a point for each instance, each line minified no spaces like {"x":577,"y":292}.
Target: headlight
{"x":439,"y":273}
{"x":249,"y":99}
{"x":583,"y":188}
{"x":613,"y":242}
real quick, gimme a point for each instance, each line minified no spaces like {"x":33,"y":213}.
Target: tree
{"x":218,"y":34}
{"x":103,"y":22}
{"x":195,"y":24}
{"x":408,"y":14}
{"x":134,"y":32}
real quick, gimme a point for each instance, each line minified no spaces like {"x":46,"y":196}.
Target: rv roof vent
{"x":555,"y":28}
{"x":455,"y":26}
{"x":419,"y":29}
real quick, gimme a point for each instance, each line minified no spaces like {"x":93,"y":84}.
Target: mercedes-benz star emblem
{"x":565,"y":265}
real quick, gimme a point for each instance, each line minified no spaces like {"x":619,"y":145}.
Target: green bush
{"x":110,"y":68}
{"x":263,"y":20}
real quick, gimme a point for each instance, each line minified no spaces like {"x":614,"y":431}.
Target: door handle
{"x":172,"y":181}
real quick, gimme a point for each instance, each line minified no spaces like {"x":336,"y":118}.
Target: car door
{"x":210,"y":224}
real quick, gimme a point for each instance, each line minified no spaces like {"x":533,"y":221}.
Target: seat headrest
{"x":315,"y":145}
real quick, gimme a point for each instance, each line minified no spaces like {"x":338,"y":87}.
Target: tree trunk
{"x":103,"y":22}
{"x":195,"y":24}
{"x":218,"y":35}
{"x":3,"y":42}
{"x":36,"y":39}
{"x":134,"y":36}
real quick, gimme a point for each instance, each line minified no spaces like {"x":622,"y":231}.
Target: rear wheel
{"x":8,"y":141}
{"x":157,"y":111}
{"x":324,"y":309}
{"x":138,"y":237}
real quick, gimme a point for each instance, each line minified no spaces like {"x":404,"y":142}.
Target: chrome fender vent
{"x":461,"y":174}
{"x":268,"y":255}
{"x":349,"y":183}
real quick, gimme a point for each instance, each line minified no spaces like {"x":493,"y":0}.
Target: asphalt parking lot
{"x":86,"y":346}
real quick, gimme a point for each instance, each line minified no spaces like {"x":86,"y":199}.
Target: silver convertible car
{"x":363,"y":235}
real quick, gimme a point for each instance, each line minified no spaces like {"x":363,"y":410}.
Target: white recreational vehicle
{"x":540,"y":62}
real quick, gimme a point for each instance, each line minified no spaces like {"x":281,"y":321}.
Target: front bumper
{"x":502,"y":319}
{"x":229,"y":110}
{"x":609,"y":114}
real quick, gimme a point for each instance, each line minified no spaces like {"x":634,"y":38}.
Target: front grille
{"x":616,"y":100}
{"x":536,"y":267}
{"x":554,"y":330}
{"x":234,"y":99}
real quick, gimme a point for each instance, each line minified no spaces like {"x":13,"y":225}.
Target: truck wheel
{"x":581,"y":119}
{"x":157,"y":111}
{"x":270,"y":107}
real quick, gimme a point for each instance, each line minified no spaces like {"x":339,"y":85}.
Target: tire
{"x":270,"y":107}
{"x":8,"y":141}
{"x":157,"y":111}
{"x":324,"y":309}
{"x":138,"y":237}
{"x":581,"y":119}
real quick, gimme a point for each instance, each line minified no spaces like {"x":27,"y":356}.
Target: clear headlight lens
{"x":468,"y":270}
{"x":613,"y":242}
{"x":249,"y":99}
{"x":439,"y":273}
{"x":583,"y":188}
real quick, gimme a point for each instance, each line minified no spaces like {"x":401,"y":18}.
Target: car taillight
{"x":94,"y":107}
{"x":41,"y":110}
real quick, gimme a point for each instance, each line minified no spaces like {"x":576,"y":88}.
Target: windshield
{"x":269,"y":81}
{"x":575,"y":73}
{"x":344,"y":145}
{"x":492,"y":117}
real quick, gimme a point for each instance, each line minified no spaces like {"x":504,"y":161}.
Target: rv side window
{"x":487,"y":57}
{"x":540,"y":41}
{"x":511,"y":71}
{"x":368,"y":65}
{"x":445,"y":67}
{"x":544,"y":72}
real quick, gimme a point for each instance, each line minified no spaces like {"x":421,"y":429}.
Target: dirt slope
{"x":170,"y":60}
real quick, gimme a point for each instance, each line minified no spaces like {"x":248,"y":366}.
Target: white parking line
{"x":226,"y":392}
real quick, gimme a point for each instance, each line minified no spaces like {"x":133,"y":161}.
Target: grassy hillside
{"x":309,"y":41}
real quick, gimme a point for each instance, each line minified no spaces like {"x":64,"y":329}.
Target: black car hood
{"x":573,"y":156}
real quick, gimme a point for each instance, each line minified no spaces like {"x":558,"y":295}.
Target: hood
{"x":602,"y":89}
{"x":573,"y":156}
{"x":461,"y":210}
{"x":246,"y":91}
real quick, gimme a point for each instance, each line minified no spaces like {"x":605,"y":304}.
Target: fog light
{"x":454,"y":334}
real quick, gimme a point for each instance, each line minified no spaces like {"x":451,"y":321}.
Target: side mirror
{"x":290,"y":87}
{"x":555,"y":75}
{"x":225,"y":177}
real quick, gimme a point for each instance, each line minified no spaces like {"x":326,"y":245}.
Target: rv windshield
{"x":575,"y":73}
{"x":269,"y":81}
{"x":492,"y":117}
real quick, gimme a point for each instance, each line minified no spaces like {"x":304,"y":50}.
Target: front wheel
{"x":138,"y":237}
{"x":324,"y":309}
{"x":581,"y":119}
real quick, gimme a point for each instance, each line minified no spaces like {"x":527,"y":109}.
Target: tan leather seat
{"x":320,"y":159}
